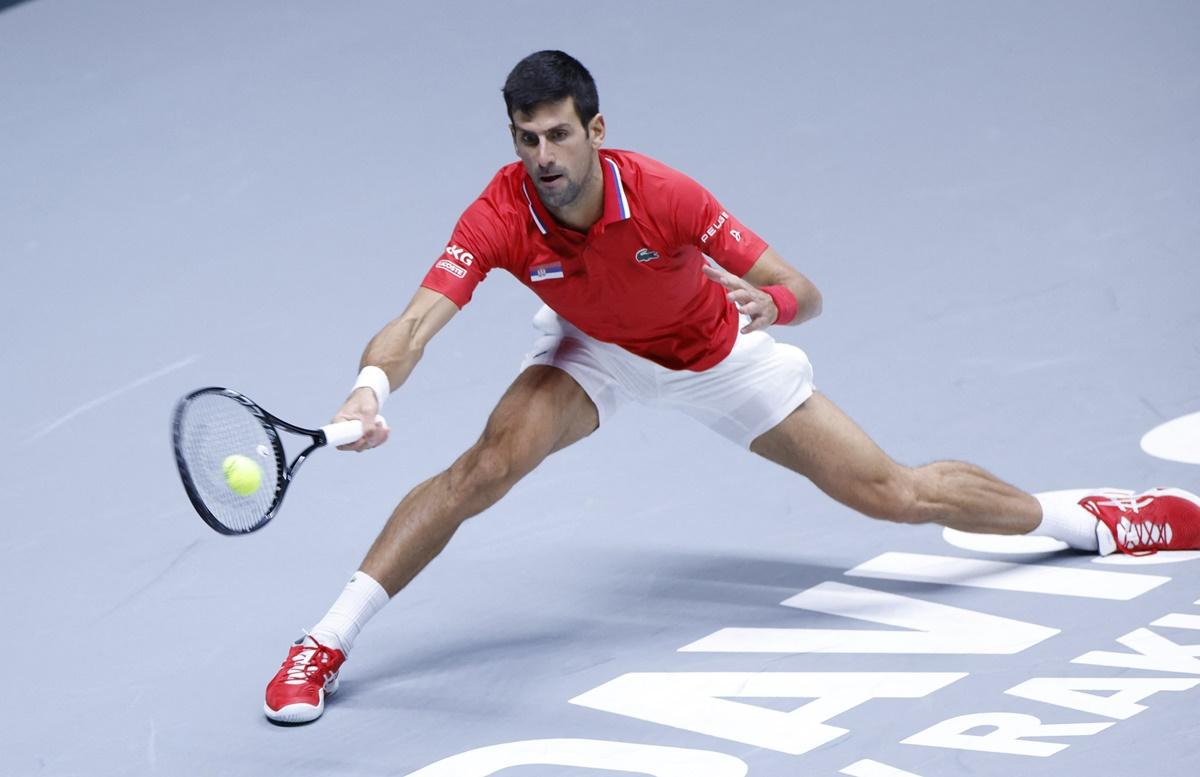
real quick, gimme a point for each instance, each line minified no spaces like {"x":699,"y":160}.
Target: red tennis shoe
{"x":296,"y":694}
{"x":1141,"y":524}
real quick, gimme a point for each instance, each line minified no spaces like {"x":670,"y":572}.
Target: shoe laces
{"x":1137,"y":534}
{"x":308,"y":662}
{"x":1139,"y":537}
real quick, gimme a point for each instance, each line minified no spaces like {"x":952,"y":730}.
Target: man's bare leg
{"x":822,"y":443}
{"x":543,"y":411}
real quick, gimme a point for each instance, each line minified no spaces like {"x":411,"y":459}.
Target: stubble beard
{"x":568,"y":194}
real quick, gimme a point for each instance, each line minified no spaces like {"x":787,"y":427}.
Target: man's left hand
{"x":750,"y":300}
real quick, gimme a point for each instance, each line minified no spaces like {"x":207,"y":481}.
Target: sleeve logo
{"x":460,"y":254}
{"x":451,"y":268}
{"x":714,"y":227}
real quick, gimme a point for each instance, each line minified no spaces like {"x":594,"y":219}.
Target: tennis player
{"x":614,"y":243}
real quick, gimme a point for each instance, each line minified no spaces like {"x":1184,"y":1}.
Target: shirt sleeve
{"x":476,"y":246}
{"x":707,"y":225}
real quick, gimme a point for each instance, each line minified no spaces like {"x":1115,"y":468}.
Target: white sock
{"x":360,"y":600}
{"x":1063,"y":518}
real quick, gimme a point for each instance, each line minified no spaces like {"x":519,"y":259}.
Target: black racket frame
{"x":270,"y":425}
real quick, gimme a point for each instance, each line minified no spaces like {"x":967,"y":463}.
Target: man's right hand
{"x":362,"y":406}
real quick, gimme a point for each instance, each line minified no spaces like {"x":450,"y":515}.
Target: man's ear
{"x":596,"y":130}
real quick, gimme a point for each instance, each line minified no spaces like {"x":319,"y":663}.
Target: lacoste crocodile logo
{"x":645,"y":255}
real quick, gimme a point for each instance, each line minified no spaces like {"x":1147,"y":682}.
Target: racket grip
{"x":346,"y":432}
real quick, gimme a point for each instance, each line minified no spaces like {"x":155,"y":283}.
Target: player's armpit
{"x":770,"y":269}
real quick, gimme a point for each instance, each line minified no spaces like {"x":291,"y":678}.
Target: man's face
{"x":558,"y":152}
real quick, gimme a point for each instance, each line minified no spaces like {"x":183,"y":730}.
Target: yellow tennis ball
{"x":242,"y":474}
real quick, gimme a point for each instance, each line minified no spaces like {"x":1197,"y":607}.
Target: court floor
{"x":998,"y":202}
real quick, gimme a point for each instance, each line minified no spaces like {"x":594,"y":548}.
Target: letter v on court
{"x":931,"y":628}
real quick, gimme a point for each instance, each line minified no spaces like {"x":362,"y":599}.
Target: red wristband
{"x":785,"y":300}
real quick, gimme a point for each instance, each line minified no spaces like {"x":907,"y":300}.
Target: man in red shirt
{"x":614,"y":243}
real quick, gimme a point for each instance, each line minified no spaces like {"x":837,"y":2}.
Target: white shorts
{"x":748,"y":393}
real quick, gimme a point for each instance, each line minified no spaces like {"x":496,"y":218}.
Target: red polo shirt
{"x":633,"y":279}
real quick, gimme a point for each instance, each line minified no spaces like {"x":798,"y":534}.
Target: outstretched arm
{"x":396,"y":349}
{"x":769,"y":270}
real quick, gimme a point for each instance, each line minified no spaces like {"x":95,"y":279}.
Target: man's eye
{"x":558,"y":135}
{"x":529,"y":140}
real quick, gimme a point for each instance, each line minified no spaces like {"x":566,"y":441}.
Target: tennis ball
{"x":242,"y":474}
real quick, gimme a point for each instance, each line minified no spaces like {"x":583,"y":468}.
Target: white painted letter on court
{"x":933,"y":628}
{"x":1073,"y":693}
{"x":698,"y":701}
{"x":652,"y":760}
{"x":1008,"y":730}
{"x":1154,"y":652}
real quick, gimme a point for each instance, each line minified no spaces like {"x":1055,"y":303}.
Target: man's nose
{"x":545,"y":155}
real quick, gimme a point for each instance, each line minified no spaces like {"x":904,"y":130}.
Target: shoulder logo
{"x":461,"y":254}
{"x":645,"y":255}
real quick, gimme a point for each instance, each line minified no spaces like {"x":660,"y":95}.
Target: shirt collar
{"x":536,"y":209}
{"x":616,"y":202}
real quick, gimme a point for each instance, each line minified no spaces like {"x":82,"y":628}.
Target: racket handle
{"x":346,"y":432}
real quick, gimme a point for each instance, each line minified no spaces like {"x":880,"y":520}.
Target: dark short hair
{"x":547,"y":77}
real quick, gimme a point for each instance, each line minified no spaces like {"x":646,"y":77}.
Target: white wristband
{"x":376,"y":380}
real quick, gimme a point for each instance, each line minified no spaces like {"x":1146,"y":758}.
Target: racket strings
{"x":212,"y":428}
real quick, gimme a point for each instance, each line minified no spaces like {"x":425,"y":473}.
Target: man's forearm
{"x":808,"y":299}
{"x":771,"y":270}
{"x":398,"y":347}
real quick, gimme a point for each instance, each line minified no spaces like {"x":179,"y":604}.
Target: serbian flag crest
{"x":545,"y":272}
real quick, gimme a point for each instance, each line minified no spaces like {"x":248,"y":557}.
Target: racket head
{"x":211,"y":424}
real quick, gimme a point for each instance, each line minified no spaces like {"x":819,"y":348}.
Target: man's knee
{"x":490,"y":467}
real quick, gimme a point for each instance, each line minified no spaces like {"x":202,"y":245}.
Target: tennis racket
{"x":213,"y":424}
